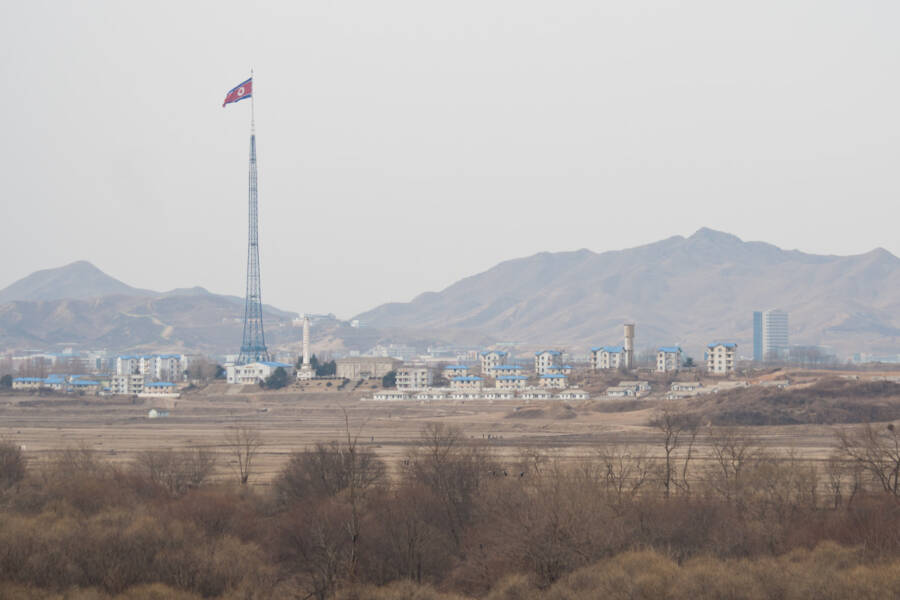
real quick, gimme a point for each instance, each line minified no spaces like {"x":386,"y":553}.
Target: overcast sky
{"x":404,"y":145}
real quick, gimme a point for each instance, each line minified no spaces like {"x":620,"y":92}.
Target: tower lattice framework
{"x":253,"y":345}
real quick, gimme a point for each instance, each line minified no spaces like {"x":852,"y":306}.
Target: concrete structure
{"x":618,"y":391}
{"x":158,"y":367}
{"x":491,"y":359}
{"x":160,"y":388}
{"x":413,"y":378}
{"x":157,"y":413}
{"x":720,"y":357}
{"x":629,"y":345}
{"x":467,"y":383}
{"x":537,"y":394}
{"x":775,"y":342}
{"x":757,"y":336}
{"x":553,"y":381}
{"x":573,"y":394}
{"x":390,"y":395}
{"x":668,"y":359}
{"x":455,"y":371}
{"x":608,"y":357}
{"x":365,"y":367}
{"x":544,"y":360}
{"x":306,"y":371}
{"x":685,"y":386}
{"x":27,"y":383}
{"x":512,"y":382}
{"x":127,"y":385}
{"x":637,"y":386}
{"x":255,"y":372}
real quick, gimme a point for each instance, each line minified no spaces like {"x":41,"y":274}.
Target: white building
{"x":455,"y":371}
{"x":511,"y":382}
{"x":501,"y":370}
{"x":157,"y":413}
{"x":720,"y":357}
{"x":553,"y":381}
{"x":469,"y":382}
{"x":775,"y":342}
{"x":27,"y":383}
{"x":545,"y":360}
{"x":490,"y":360}
{"x":573,"y":394}
{"x":668,"y":359}
{"x":620,"y":391}
{"x":637,"y":386}
{"x":413,"y":378}
{"x":126,"y":385}
{"x":159,"y":367}
{"x":685,"y":386}
{"x":253,"y":373}
{"x":390,"y":395}
{"x":365,"y":367}
{"x":165,"y":389}
{"x":608,"y":357}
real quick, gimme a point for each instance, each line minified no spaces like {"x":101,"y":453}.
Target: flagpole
{"x":252,"y":111}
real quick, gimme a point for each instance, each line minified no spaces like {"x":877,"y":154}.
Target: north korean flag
{"x":239,"y":92}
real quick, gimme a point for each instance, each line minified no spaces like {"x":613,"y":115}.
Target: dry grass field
{"x":290,"y":420}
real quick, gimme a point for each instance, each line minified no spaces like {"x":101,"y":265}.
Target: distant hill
{"x":81,"y":305}
{"x":77,"y":281}
{"x":679,"y":290}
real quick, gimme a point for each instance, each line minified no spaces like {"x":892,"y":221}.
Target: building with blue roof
{"x":553,"y":380}
{"x":608,"y":358}
{"x":468,"y":382}
{"x":668,"y":359}
{"x":490,"y":360}
{"x":546,"y":361}
{"x":512,"y":382}
{"x":720,"y":358}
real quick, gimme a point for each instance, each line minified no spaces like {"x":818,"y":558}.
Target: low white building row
{"x":481,"y":394}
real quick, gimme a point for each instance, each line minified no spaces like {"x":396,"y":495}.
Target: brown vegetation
{"x":457,"y":520}
{"x":829,"y":401}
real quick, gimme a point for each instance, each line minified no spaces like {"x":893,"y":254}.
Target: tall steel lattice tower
{"x":253,"y":346}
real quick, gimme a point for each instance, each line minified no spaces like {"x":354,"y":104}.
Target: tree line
{"x":454,"y":519}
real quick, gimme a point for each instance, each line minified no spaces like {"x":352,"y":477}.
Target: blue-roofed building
{"x":512,"y":382}
{"x":490,"y":360}
{"x":720,"y":358}
{"x":547,"y":360}
{"x":468,"y":382}
{"x":668,"y":359}
{"x":608,"y":357}
{"x":455,"y":371}
{"x":553,"y":380}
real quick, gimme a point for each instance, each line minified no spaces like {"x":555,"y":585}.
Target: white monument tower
{"x":306,"y":371}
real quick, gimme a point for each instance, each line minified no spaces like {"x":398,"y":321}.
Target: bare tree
{"x":679,"y":429}
{"x":624,"y":471}
{"x":176,"y":470}
{"x":876,"y":451}
{"x":242,"y":442}
{"x":732,"y":454}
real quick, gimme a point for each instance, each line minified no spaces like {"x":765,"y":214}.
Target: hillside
{"x":77,"y":281}
{"x":78,"y":304}
{"x":679,"y":290}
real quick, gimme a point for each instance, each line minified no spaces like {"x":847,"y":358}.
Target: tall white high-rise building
{"x":775,"y":342}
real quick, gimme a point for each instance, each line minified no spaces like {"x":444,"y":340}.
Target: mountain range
{"x":681,"y":290}
{"x":80,"y":305}
{"x":688,"y":291}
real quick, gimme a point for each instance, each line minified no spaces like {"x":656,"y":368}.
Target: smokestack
{"x":629,"y":345}
{"x":305,"y":340}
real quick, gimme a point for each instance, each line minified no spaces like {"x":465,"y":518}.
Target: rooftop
{"x":669,"y":349}
{"x":608,"y":349}
{"x":726,"y":344}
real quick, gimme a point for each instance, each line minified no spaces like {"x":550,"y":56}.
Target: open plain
{"x":119,"y":428}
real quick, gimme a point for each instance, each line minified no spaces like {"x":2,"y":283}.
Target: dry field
{"x":119,"y":427}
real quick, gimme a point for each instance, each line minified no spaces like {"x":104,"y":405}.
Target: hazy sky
{"x":406,"y":144}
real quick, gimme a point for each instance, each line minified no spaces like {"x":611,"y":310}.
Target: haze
{"x":404,"y":145}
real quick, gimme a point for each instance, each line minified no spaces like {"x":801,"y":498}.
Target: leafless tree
{"x":679,"y":430}
{"x":732,"y":454}
{"x":624,"y":470}
{"x":876,"y":451}
{"x":242,"y":443}
{"x":176,"y":470}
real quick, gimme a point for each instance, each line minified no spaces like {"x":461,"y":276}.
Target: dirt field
{"x":119,"y":427}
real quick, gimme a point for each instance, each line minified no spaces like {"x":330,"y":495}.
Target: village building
{"x":491,"y":359}
{"x":413,"y":378}
{"x":470,"y":382}
{"x":553,"y":381}
{"x":365,"y":367}
{"x":608,"y":357}
{"x":546,"y":360}
{"x":255,"y":372}
{"x":452,"y":371}
{"x":668,"y":359}
{"x":720,"y":358}
{"x":511,"y":382}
